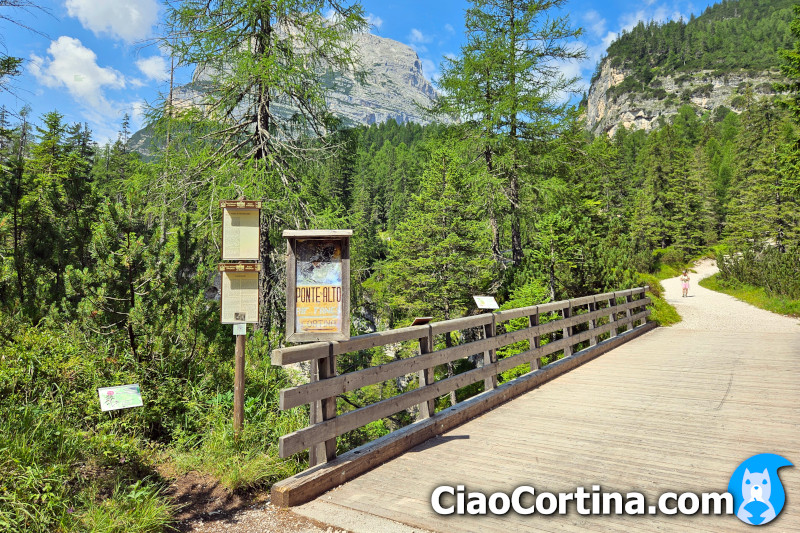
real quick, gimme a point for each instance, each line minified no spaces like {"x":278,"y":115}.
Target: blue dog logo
{"x":758,"y":494}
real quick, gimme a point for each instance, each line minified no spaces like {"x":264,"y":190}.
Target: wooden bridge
{"x":675,"y":410}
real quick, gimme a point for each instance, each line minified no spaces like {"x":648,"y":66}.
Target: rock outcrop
{"x":609,"y":108}
{"x":394,"y":86}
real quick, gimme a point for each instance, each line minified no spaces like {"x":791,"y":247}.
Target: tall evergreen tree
{"x":439,"y":256}
{"x":265,"y":99}
{"x":507,"y":87}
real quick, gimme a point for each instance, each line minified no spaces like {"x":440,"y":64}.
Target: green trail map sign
{"x":120,"y":397}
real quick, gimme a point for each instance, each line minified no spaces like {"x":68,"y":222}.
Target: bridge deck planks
{"x":671,"y":411}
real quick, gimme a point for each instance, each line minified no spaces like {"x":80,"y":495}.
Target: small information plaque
{"x":120,"y":397}
{"x":240,"y":329}
{"x":486,"y":302}
{"x":241,"y":235}
{"x":239,"y":293}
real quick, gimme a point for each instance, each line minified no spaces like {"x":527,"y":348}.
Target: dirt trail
{"x":706,"y":310}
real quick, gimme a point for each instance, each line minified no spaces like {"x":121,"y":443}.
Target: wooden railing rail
{"x":568,"y":322}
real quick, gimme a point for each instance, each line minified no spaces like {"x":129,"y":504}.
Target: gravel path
{"x":706,"y":310}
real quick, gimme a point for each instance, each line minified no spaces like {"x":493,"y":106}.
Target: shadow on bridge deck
{"x":675,"y":410}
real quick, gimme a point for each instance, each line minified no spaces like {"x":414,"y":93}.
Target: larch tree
{"x":265,"y":99}
{"x":508,"y":87}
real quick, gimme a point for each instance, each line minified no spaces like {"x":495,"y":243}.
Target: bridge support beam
{"x":535,"y":341}
{"x":592,"y":307}
{"x":323,"y":410}
{"x":567,"y":331}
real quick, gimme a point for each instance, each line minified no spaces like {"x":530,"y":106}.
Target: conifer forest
{"x":108,"y":254}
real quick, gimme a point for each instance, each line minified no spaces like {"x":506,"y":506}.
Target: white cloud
{"x":154,"y":67}
{"x":449,"y":28}
{"x":128,"y":20}
{"x":429,"y":69}
{"x":374,"y":21}
{"x":72,"y":65}
{"x":596,"y":23}
{"x":418,"y":37}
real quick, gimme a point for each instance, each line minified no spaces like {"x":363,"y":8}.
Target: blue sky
{"x":91,"y":61}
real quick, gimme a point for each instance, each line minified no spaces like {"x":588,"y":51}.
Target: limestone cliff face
{"x":395,"y":86}
{"x":609,"y":108}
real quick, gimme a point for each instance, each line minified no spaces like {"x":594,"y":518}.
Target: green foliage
{"x":728,"y":36}
{"x":439,"y":256}
{"x":661,"y":312}
{"x":754,"y":295}
{"x":769,"y":269}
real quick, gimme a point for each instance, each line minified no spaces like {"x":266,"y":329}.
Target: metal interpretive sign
{"x":241,"y":236}
{"x":120,"y":397}
{"x":239,"y":292}
{"x":318,"y":285}
{"x":486,"y":302}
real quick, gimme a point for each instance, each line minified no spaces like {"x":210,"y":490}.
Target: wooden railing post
{"x":567,"y":330}
{"x":426,"y":377}
{"x":535,"y":341}
{"x":323,"y":410}
{"x":629,"y":312}
{"x":612,"y":302}
{"x":490,"y":355}
{"x":592,"y":307}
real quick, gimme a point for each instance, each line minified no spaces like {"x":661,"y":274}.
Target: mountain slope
{"x":710,"y":61}
{"x":394,"y":87}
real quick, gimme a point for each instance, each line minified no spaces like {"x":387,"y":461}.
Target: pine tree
{"x":507,"y":88}
{"x":439,"y":256}
{"x":266,"y":100}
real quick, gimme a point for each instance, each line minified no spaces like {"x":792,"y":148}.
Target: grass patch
{"x":251,"y":461}
{"x":666,"y":271}
{"x":756,"y":296}
{"x":661,"y":311}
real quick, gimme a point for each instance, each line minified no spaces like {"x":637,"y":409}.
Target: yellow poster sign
{"x":318,"y":294}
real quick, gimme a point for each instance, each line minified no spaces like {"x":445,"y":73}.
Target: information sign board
{"x":239,"y":293}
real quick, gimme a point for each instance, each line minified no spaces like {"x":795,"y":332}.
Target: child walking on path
{"x":685,"y":283}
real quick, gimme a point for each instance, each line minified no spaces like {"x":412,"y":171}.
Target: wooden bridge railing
{"x":565,"y":324}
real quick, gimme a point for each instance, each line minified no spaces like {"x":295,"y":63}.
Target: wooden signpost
{"x":241,"y":242}
{"x":318,"y":309}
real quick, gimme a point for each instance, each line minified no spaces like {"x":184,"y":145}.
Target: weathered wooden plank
{"x":551,"y":306}
{"x":311,"y":483}
{"x":437,"y":328}
{"x":304,"y":438}
{"x":379,"y":338}
{"x":511,"y":314}
{"x":296,"y":354}
{"x":583,"y":300}
{"x":310,"y":392}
